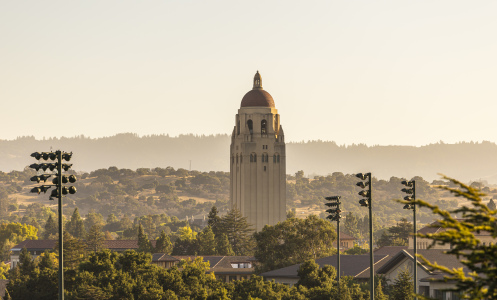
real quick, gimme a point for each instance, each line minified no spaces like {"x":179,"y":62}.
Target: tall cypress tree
{"x":76,"y":226}
{"x":51,"y":228}
{"x":213,"y":220}
{"x":95,"y":238}
{"x":144,"y":244}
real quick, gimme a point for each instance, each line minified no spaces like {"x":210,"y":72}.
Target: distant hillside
{"x":464,"y":161}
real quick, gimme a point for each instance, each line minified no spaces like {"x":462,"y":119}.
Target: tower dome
{"x":257,"y":97}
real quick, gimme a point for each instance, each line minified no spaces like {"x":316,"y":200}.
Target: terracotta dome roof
{"x":257,"y":96}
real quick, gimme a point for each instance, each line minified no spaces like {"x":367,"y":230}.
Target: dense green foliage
{"x":106,"y":275}
{"x":293,"y":241}
{"x":302,"y":191}
{"x":396,"y":235}
{"x":402,"y":288}
{"x":479,"y":258}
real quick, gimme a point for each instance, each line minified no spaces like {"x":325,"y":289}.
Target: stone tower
{"x":258,"y":160}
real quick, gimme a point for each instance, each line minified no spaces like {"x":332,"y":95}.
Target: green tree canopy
{"x":206,"y":242}
{"x":163,"y":244}
{"x":293,"y":241}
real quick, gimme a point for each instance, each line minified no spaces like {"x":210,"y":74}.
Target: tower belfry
{"x":258,"y":160}
{"x":257,"y":81}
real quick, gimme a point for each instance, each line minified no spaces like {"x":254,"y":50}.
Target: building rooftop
{"x":438,"y":256}
{"x":350,"y":265}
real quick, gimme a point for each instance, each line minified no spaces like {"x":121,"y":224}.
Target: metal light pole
{"x":59,"y":190}
{"x":335,"y":215}
{"x":412,"y":190}
{"x":61,"y":224}
{"x":367,"y":202}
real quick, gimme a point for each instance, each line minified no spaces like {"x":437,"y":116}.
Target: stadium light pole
{"x":60,"y":190}
{"x":410,"y":190}
{"x":334,"y":215}
{"x":366,"y":202}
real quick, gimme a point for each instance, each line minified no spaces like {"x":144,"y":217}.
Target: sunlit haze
{"x":374,"y":72}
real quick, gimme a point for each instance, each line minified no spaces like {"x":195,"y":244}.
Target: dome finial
{"x":257,"y":81}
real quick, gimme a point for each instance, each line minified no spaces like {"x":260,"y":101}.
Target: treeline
{"x":106,"y":275}
{"x":465,"y":160}
{"x":96,"y":273}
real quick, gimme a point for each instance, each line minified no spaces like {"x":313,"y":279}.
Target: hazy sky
{"x":374,"y":72}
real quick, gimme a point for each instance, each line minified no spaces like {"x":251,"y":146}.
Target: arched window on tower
{"x":255,"y":157}
{"x":237,"y":158}
{"x":274,"y":158}
{"x":250,"y":126}
{"x":238,"y":128}
{"x":263,"y":127}
{"x":241,"y":158}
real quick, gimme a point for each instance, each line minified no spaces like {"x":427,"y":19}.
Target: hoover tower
{"x":258,"y":161}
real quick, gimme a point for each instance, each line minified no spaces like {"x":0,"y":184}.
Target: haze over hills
{"x":466,"y":161}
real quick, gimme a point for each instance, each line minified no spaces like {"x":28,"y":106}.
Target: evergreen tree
{"x":51,"y":228}
{"x":144,"y":244}
{"x":478,"y":258}
{"x":402,"y":288}
{"x":163,"y":244}
{"x":396,"y":235}
{"x":378,"y":290}
{"x":95,"y":238}
{"x":46,"y":261}
{"x":351,"y":226}
{"x":26,"y":263}
{"x":206,"y":242}
{"x":239,"y":232}
{"x":76,"y":225}
{"x":223,"y":246}
{"x":213,"y":220}
{"x":74,"y":250}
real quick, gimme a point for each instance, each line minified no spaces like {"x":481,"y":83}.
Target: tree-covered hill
{"x":467,"y":161}
{"x":181,"y":193}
